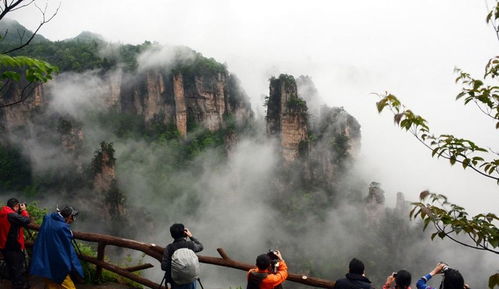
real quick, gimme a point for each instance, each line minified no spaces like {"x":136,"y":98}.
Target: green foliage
{"x":459,"y":150}
{"x":89,"y":269}
{"x":486,"y":97}
{"x":493,"y":18}
{"x":103,"y":157}
{"x":34,"y":70}
{"x":287,"y":79}
{"x":64,"y":126}
{"x":18,"y":68}
{"x":36,"y":213}
{"x":69,"y":55}
{"x":494,"y":280}
{"x":449,"y":218}
{"x":198,"y":67}
{"x":297,"y":104}
{"x":15,"y":171}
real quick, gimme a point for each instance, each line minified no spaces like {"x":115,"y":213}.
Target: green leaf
{"x":494,"y":280}
{"x":465,"y":163}
{"x":12,"y":75}
{"x":426,"y":222}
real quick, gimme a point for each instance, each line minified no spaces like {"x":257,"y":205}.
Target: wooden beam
{"x":122,"y":272}
{"x":139,"y":267}
{"x":157,"y":253}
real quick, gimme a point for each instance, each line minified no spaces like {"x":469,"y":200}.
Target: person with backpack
{"x":180,"y":263}
{"x":264,"y":276}
{"x":13,"y":218}
{"x":355,"y":278}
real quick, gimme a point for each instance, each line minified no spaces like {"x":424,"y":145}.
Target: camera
{"x":394,"y":274}
{"x":274,"y":260}
{"x":272,"y":255}
{"x":21,"y":204}
{"x":445,"y":267}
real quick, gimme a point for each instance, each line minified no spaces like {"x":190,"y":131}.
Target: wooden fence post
{"x":101,"y":250}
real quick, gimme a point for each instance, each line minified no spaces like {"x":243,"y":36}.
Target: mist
{"x":349,"y":50}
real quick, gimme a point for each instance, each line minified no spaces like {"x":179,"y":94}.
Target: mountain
{"x":13,"y":33}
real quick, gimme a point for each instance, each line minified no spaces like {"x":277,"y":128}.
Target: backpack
{"x":185,"y":266}
{"x":255,"y":279}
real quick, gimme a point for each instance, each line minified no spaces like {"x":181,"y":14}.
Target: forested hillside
{"x":141,"y":136}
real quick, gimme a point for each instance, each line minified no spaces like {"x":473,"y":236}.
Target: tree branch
{"x":462,"y":243}
{"x":43,"y":22}
{"x":24,"y":96}
{"x":9,"y":6}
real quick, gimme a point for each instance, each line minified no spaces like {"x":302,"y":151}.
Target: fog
{"x":350,"y":50}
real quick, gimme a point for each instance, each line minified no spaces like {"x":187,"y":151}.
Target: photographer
{"x":402,"y":280}
{"x":54,"y":257}
{"x":452,"y":278}
{"x":12,"y":218}
{"x":264,"y":276}
{"x":355,"y":278}
{"x":179,"y":234}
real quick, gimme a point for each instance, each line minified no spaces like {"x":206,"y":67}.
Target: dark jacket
{"x":166,"y":263}
{"x":353,"y":281}
{"x":11,"y":234}
{"x":53,"y":254}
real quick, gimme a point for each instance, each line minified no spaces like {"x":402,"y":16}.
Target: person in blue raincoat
{"x":54,"y":257}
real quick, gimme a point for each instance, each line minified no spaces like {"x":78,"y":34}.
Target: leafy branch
{"x":450,"y":219}
{"x":456,"y":150}
{"x":20,"y":68}
{"x":486,"y":97}
{"x":493,"y":18}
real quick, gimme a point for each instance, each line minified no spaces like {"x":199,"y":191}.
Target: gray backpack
{"x":185,"y":266}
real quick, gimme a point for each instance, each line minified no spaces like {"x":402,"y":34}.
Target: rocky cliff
{"x":287,"y":117}
{"x":325,"y":136}
{"x":31,"y":97}
{"x":159,"y":95}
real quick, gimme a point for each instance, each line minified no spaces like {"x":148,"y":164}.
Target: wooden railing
{"x":156,"y":252}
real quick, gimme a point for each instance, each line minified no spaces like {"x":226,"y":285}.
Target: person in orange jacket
{"x":13,"y":217}
{"x":262,"y":276}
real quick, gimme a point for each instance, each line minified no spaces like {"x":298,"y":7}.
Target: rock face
{"x":17,"y":115}
{"x":287,"y":117}
{"x":104,"y":168}
{"x":326,"y":137}
{"x":158,"y":96}
{"x":186,"y":101}
{"x":180,"y":107}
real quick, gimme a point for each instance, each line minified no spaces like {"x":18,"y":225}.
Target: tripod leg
{"x":199,"y":280}
{"x":162,"y":280}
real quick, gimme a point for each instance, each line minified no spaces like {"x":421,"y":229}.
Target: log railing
{"x":156,"y":252}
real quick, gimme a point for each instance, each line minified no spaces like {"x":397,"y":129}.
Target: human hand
{"x":278,"y":254}
{"x":438,"y":269}
{"x":390,"y":279}
{"x":187,"y":232}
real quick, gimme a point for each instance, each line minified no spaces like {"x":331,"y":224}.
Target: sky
{"x":350,"y":49}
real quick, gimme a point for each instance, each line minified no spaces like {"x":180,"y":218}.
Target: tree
{"x":449,"y":220}
{"x":23,"y":71}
